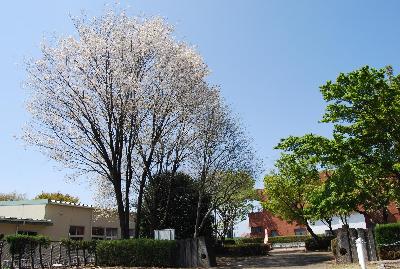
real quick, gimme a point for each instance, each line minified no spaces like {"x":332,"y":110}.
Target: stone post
{"x":371,"y":247}
{"x":353,"y":238}
{"x":343,"y":246}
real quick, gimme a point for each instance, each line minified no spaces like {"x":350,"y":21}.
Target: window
{"x":274,"y":233}
{"x":257,"y":230}
{"x":98,"y":233}
{"x":111,"y":233}
{"x":76,"y":232}
{"x":300,"y":231}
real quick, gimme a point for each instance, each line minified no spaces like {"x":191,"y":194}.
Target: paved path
{"x":311,"y":260}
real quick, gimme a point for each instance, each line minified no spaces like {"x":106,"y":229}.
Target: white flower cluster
{"x":123,"y":100}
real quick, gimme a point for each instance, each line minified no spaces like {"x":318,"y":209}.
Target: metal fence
{"x":54,"y":256}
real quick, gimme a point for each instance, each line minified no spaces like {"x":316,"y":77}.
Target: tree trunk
{"x":198,"y":211}
{"x":139,"y":205}
{"x":309,"y":229}
{"x":121,"y":210}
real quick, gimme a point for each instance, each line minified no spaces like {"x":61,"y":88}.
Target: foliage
{"x":136,"y":252}
{"x":246,"y":240}
{"x":27,"y":244}
{"x":324,"y":243}
{"x":58,"y":197}
{"x":235,"y":209}
{"x":288,"y":239}
{"x":12,"y":196}
{"x":244,"y":249}
{"x":122,"y":101}
{"x":364,"y":107}
{"x":228,"y":241}
{"x":359,"y":165}
{"x":19,"y":242}
{"x":174,"y":209}
{"x":387,"y":234}
{"x":288,"y":189}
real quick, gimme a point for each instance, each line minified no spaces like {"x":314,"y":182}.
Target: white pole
{"x":361,"y":251}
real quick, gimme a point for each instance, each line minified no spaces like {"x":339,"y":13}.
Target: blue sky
{"x":269,"y":57}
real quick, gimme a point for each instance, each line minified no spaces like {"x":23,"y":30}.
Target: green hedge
{"x":21,"y":245}
{"x":243,"y":249}
{"x":288,"y":239}
{"x":251,"y":240}
{"x":387,"y":234}
{"x":136,"y":252}
{"x":228,"y":242}
{"x":275,"y":239}
{"x":323,"y":243}
{"x":387,"y":238}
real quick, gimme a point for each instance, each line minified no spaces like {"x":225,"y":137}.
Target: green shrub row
{"x":322,"y":244}
{"x":387,"y":234}
{"x":244,"y":249}
{"x":73,"y":247}
{"x":251,"y":240}
{"x":288,"y":239}
{"x":136,"y":252}
{"x":387,"y":238}
{"x":275,"y":239}
{"x":228,"y":242}
{"x":20,"y":244}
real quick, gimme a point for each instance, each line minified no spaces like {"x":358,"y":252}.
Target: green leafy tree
{"x":175,"y":209}
{"x":58,"y":197}
{"x":364,"y":108}
{"x":288,"y":187}
{"x":230,"y":213}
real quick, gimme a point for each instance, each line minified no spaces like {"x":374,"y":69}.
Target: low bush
{"x":136,"y":252}
{"x":386,"y":234}
{"x":228,"y":242}
{"x":251,"y":240}
{"x":322,"y":244}
{"x":274,"y":239}
{"x":288,"y":239}
{"x":387,"y":238}
{"x":21,"y":245}
{"x":244,"y":249}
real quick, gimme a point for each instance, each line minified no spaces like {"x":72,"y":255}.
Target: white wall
{"x":356,"y":220}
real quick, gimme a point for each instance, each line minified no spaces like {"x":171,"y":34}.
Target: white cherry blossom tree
{"x":103,"y":100}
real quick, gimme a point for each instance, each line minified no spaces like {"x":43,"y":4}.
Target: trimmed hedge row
{"x":21,"y":245}
{"x":274,"y":239}
{"x":243,"y":249}
{"x":136,"y":252}
{"x":387,"y":238}
{"x":323,"y":244}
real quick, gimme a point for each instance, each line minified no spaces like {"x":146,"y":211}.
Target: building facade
{"x":264,"y":221}
{"x":59,"y":220}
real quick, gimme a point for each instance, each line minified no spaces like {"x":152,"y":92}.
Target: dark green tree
{"x":175,"y":209}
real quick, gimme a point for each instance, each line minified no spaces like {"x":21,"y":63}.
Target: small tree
{"x":58,"y":197}
{"x":179,"y":213}
{"x":12,"y":196}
